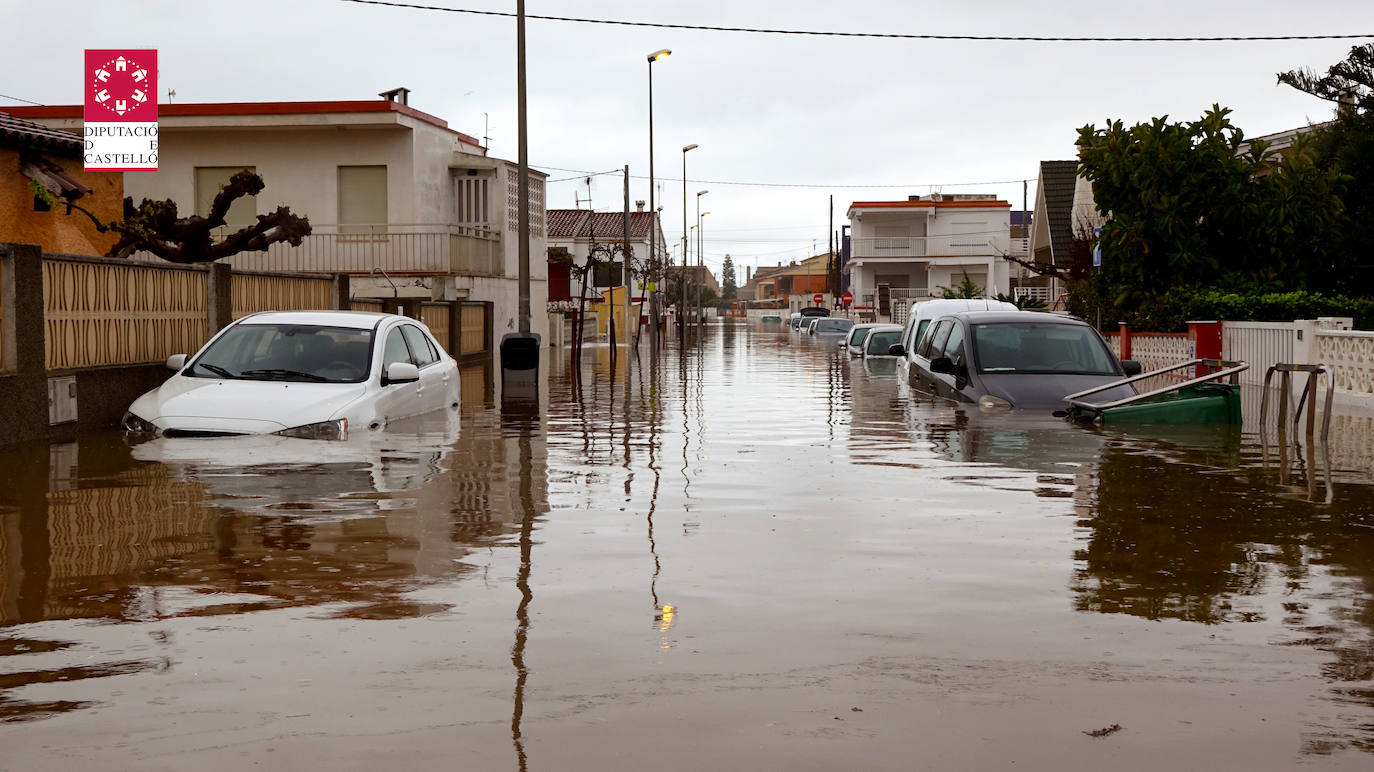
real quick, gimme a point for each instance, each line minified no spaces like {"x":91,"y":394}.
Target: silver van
{"x":918,"y":322}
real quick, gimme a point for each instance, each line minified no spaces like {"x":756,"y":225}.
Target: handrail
{"x":1229,"y":368}
{"x":395,"y":293}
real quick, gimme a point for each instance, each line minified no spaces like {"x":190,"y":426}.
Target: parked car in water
{"x":881,"y":340}
{"x":770,"y":319}
{"x":923,"y":312}
{"x":854,"y":341}
{"x":809,"y":324}
{"x":306,"y":374}
{"x":1001,"y":359}
{"x":827,"y":326}
{"x":794,"y":320}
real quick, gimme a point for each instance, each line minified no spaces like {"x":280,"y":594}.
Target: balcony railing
{"x":397,"y":249}
{"x":929,"y":246}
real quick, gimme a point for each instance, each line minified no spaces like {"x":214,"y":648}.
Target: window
{"x":915,"y":340}
{"x":880,"y":342}
{"x":1041,"y":348}
{"x":935,"y":343}
{"x":420,"y":347}
{"x":287,"y":352}
{"x":471,"y":200}
{"x":607,"y":275}
{"x":362,"y":199}
{"x":954,"y":345}
{"x":209,"y":180}
{"x":395,"y":350}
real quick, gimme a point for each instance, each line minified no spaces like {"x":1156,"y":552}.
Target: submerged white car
{"x":307,"y":374}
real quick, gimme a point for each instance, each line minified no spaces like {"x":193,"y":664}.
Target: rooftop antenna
{"x":588,"y":199}
{"x":171,"y":94}
{"x":486,"y":132}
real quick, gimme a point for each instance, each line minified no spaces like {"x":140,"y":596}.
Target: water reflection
{"x":760,"y":486}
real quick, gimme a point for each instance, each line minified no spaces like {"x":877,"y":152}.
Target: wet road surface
{"x":759,"y":555}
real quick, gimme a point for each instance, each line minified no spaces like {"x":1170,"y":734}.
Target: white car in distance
{"x":306,"y":374}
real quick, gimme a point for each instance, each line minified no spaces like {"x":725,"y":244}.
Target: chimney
{"x":639,"y":205}
{"x":747,"y":271}
{"x":400,"y":95}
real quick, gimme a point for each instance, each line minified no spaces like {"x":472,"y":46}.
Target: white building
{"x":571,"y":233}
{"x":402,"y":203}
{"x":917,"y":246}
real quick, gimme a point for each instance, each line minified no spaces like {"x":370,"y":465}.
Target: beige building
{"x":405,"y":205}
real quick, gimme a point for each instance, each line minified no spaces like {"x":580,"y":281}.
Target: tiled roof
{"x":608,"y":226}
{"x":16,"y":132}
{"x":1057,"y":182}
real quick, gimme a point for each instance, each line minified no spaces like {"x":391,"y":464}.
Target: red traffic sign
{"x":847,"y":298}
{"x":818,"y":298}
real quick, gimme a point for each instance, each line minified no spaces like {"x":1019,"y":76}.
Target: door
{"x":952,"y":387}
{"x":931,"y":346}
{"x":396,"y":400}
{"x":435,"y":378}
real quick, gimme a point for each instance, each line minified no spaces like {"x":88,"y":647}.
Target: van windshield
{"x":1040,"y":348}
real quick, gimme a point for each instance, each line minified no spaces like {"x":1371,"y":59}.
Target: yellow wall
{"x":55,"y":230}
{"x":615,"y":297}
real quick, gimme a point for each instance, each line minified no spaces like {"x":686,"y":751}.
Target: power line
{"x":17,"y":99}
{"x":582,"y":173}
{"x":890,"y":35}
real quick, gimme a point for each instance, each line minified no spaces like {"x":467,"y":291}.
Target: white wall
{"x":299,"y":167}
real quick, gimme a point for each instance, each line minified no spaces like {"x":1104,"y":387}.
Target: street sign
{"x":818,"y":298}
{"x":847,"y":298}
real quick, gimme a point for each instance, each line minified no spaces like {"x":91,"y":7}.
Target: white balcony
{"x":397,"y":249}
{"x":929,"y":246}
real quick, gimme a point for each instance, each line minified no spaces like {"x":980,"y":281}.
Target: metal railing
{"x":928,"y":246}
{"x":396,"y":248}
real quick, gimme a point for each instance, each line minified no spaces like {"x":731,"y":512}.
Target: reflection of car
{"x":1015,"y":359}
{"x":880,"y":340}
{"x":309,"y":374}
{"x":854,"y":341}
{"x":770,"y":319}
{"x":827,"y":326}
{"x":920,"y":316}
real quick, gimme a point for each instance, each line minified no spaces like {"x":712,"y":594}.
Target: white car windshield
{"x":1040,"y":348}
{"x":287,"y":352}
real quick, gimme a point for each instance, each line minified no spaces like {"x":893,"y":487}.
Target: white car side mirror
{"x":176,"y":362}
{"x":400,"y":372}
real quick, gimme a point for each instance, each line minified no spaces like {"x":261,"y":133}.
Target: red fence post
{"x":1125,"y":340}
{"x":1204,"y":342}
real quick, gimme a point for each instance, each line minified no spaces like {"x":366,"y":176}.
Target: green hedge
{"x":1179,"y":305}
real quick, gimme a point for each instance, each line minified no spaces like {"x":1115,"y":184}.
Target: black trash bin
{"x":520,"y":373}
{"x":520,"y":351}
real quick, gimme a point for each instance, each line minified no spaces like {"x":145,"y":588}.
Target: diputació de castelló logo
{"x":120,"y":126}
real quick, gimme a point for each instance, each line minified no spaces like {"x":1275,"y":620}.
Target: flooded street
{"x":756,"y":555}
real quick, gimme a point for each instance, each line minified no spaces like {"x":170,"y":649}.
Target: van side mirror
{"x":176,"y":362}
{"x":1130,"y":367}
{"x":942,"y":365}
{"x":400,"y":372}
{"x":896,"y":350}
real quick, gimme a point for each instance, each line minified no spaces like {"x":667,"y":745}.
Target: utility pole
{"x":523,"y":218}
{"x":628,"y":273}
{"x":830,"y":272}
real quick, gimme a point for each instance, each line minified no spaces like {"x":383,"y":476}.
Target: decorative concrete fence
{"x":82,"y":337}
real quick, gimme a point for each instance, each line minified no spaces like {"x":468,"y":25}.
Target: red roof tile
{"x":608,"y":226}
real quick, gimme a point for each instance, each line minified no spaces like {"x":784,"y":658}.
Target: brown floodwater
{"x":757,"y":554}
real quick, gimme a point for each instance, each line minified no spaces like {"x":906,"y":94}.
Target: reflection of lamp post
{"x":701,"y":269}
{"x":696,"y":279}
{"x":682,"y":282}
{"x":653,"y":213}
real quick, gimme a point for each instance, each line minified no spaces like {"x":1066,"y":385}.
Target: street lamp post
{"x":682,"y":276}
{"x":653,"y":212}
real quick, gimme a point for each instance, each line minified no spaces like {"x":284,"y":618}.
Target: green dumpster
{"x":1203,"y":403}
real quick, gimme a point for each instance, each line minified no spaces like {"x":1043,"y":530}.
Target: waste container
{"x":520,"y":351}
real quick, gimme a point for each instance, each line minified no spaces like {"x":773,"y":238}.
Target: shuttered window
{"x":362,"y":198}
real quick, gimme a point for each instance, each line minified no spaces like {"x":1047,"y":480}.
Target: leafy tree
{"x":1346,"y":146}
{"x":967,"y":288}
{"x":1348,"y":82}
{"x":1188,"y":208}
{"x":729,"y":289}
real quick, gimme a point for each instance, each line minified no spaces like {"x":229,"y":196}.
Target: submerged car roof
{"x":362,"y":320}
{"x":940,"y":306}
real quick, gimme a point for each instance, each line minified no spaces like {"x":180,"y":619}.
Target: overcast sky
{"x":804,"y":110}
